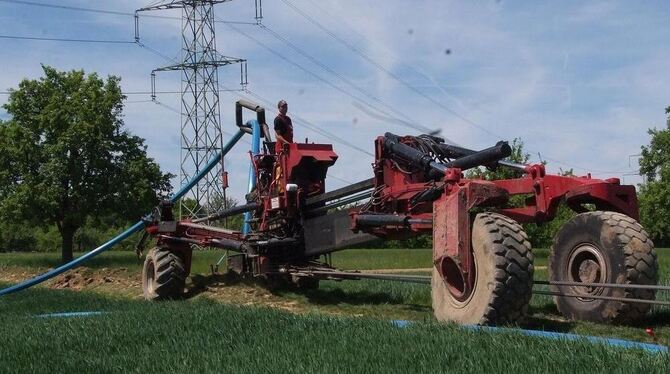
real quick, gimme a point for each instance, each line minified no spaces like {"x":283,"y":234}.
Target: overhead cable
{"x":106,"y":11}
{"x":407,"y":122}
{"x":19,"y":37}
{"x":397,"y":78}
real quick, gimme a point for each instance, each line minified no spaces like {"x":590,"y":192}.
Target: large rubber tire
{"x":603,"y":247}
{"x":163,"y":275}
{"x":503,"y":276}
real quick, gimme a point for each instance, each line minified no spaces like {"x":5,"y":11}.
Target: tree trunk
{"x":67,"y":234}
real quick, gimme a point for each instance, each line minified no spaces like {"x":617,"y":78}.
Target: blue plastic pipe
{"x":133,"y":229}
{"x":70,"y":314}
{"x":251,"y":182}
{"x":654,"y":348}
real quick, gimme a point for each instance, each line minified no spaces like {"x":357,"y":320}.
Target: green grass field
{"x":340,"y":327}
{"x":206,"y":336}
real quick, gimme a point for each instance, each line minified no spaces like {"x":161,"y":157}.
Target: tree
{"x":65,"y":155}
{"x":654,"y":195}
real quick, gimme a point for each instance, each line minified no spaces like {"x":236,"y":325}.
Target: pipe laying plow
{"x":603,"y":266}
{"x":482,"y":259}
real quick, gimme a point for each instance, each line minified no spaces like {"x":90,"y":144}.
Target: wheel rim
{"x":586,"y":264}
{"x":460,"y":293}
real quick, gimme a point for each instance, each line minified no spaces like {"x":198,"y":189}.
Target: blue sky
{"x":579,"y":82}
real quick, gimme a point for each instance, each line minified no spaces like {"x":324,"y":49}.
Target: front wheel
{"x":503,"y":276}
{"x":603,"y":247}
{"x":163,"y":275}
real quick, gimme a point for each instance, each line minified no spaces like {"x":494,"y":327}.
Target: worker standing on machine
{"x":284,"y":135}
{"x":283,"y":127}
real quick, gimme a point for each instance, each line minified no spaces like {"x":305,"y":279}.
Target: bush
{"x":16,"y":237}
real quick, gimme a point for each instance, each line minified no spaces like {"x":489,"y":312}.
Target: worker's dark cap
{"x":281,"y":103}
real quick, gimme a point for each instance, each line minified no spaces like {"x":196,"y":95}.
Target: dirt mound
{"x":105,"y":279}
{"x":234,"y":290}
{"x":86,"y":278}
{"x":121,"y":281}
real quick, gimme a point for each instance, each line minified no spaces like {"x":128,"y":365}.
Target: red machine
{"x":483,"y":263}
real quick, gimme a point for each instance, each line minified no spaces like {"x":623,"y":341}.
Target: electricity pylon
{"x":201,"y":135}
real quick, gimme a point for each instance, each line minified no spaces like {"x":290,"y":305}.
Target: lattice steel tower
{"x":201,"y":135}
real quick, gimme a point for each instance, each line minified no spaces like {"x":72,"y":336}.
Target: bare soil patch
{"x":127,"y":283}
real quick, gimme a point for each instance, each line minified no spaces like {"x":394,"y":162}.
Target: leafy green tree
{"x":16,"y":236}
{"x":654,"y":195}
{"x":65,"y":155}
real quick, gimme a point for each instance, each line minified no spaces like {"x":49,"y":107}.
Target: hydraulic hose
{"x":133,"y":229}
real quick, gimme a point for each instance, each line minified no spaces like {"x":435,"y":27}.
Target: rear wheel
{"x":163,"y":275}
{"x":503,"y":276}
{"x":603,"y":247}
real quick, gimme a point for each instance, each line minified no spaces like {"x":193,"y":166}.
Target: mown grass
{"x":205,"y":336}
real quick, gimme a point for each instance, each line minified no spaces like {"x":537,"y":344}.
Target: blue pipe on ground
{"x":70,"y":314}
{"x":654,"y":348}
{"x":255,"y":149}
{"x":133,"y":229}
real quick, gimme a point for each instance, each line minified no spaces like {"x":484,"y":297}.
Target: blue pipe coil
{"x":133,"y":229}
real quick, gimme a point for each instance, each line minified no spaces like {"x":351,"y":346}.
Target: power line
{"x":175,"y":110}
{"x":313,"y":127}
{"x":129,"y":93}
{"x":148,"y":92}
{"x":243,"y":140}
{"x":66,"y":7}
{"x":297,"y":10}
{"x":66,"y":39}
{"x":106,"y":11}
{"x":137,"y":101}
{"x":281,"y":56}
{"x":381,"y":46}
{"x":123,"y":93}
{"x":111,"y":12}
{"x":153,"y":50}
{"x":318,"y":77}
{"x":404,"y":123}
{"x":385,"y":49}
{"x":340,"y":179}
{"x":379,"y":66}
{"x":386,"y":71}
{"x":302,"y":52}
{"x":303,"y":122}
